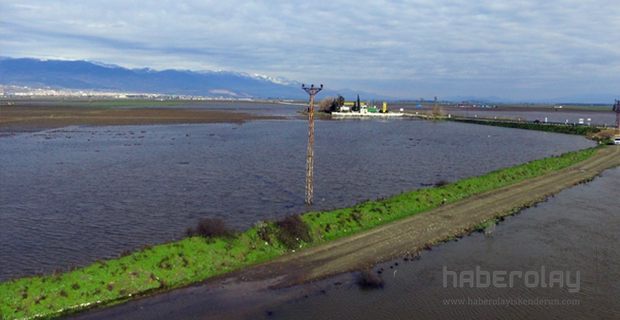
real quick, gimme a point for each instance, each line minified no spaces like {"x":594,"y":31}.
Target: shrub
{"x":292,"y":230}
{"x":263,"y":230}
{"x":331,"y":104}
{"x":357,"y":217}
{"x":210,"y":228}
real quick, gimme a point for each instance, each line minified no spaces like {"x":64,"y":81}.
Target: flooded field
{"x":259,"y":108}
{"x":576,"y":231}
{"x":73,"y":195}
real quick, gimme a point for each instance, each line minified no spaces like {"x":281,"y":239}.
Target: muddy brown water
{"x":73,"y":195}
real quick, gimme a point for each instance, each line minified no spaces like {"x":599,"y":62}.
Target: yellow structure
{"x":384,"y":109}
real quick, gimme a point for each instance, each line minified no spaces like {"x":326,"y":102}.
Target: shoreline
{"x":319,"y":259}
{"x":599,"y":134}
{"x":509,"y":107}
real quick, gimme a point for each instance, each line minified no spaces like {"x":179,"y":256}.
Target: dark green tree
{"x":340,"y":102}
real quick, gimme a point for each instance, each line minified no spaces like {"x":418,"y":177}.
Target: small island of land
{"x":29,"y":118}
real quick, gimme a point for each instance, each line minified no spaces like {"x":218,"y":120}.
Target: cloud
{"x":417,"y":48}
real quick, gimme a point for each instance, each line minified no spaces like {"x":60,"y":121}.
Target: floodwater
{"x":576,"y":231}
{"x":286,"y":110}
{"x":73,"y":195}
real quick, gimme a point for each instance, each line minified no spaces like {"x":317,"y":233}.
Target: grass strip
{"x":194,"y":259}
{"x":549,"y":127}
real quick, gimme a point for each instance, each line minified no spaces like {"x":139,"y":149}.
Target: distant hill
{"x":96,"y":76}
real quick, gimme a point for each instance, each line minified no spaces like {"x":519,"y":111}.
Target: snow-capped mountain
{"x":101,"y":76}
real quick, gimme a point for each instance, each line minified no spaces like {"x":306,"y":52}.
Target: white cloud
{"x":500,"y":48}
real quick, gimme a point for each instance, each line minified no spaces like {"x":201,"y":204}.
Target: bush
{"x":264,"y":231}
{"x":331,"y":104}
{"x":210,"y":228}
{"x":293,"y":230}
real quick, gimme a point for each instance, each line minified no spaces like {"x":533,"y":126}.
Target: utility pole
{"x":312,"y":91}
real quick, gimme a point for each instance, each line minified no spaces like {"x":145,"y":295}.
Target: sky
{"x":524,"y":50}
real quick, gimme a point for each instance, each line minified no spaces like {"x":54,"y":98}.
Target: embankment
{"x":602,"y":135}
{"x":549,"y":127}
{"x":338,"y":241}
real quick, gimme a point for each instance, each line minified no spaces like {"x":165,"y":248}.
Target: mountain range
{"x":95,"y":76}
{"x":86,"y":75}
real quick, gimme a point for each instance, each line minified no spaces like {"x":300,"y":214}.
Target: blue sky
{"x":528,"y":50}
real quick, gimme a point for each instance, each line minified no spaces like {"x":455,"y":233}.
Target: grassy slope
{"x":194,"y":259}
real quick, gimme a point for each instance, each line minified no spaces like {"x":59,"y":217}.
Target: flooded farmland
{"x":73,"y":195}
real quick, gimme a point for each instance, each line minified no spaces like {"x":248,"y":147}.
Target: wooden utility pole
{"x":312,"y":91}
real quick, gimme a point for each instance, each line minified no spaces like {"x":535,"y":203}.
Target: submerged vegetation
{"x":366,"y":279}
{"x":211,"y":249}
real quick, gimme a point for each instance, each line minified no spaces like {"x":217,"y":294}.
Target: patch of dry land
{"x":33,"y":118}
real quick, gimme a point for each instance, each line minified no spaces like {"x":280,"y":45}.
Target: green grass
{"x":195,"y":259}
{"x":338,"y":223}
{"x":159,"y":267}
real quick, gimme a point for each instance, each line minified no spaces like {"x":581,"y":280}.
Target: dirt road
{"x":398,"y":238}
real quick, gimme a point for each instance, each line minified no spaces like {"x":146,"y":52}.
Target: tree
{"x":358,"y":104}
{"x":331,"y":104}
{"x":340,"y":102}
{"x":326,"y":104}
